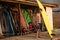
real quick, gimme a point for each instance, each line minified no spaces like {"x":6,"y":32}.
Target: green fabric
{"x":26,"y":15}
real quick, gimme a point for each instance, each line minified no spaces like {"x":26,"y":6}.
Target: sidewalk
{"x":32,"y":36}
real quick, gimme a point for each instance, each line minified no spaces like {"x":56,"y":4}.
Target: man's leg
{"x":37,"y":33}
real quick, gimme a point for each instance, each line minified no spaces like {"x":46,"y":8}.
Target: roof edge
{"x":32,"y":3}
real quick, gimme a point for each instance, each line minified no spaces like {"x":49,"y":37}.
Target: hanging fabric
{"x":1,"y":31}
{"x":8,"y":21}
{"x":27,"y":17}
{"x":22,"y":20}
{"x":4,"y":26}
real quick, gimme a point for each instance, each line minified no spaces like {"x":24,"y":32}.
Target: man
{"x":39,"y":23}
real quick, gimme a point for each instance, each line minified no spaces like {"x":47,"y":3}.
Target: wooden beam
{"x":31,"y":3}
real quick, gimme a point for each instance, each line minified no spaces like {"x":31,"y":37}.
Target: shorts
{"x":39,"y":26}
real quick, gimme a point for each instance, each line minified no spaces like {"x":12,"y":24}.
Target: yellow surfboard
{"x":45,"y":18}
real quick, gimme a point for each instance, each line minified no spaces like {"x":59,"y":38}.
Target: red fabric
{"x":30,"y":26}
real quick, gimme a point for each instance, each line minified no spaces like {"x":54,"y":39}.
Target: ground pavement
{"x":32,"y":36}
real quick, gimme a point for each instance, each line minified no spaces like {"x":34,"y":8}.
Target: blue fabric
{"x":8,"y":20}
